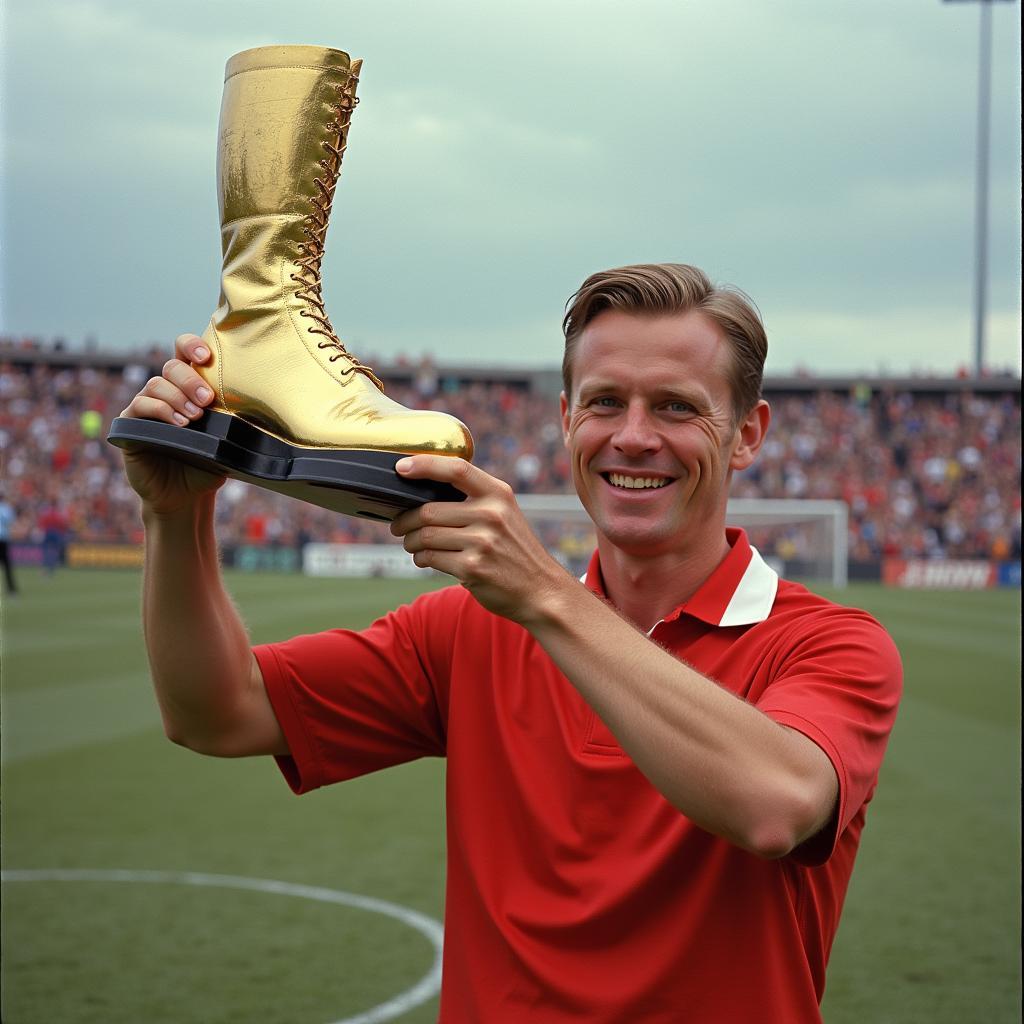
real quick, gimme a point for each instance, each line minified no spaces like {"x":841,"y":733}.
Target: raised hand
{"x":485,"y":541}
{"x":177,"y":396}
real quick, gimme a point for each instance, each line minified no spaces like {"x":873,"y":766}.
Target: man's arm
{"x":719,"y":760}
{"x":207,"y":681}
{"x":722,"y":762}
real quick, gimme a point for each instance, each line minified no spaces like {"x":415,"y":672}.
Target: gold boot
{"x":294,"y":410}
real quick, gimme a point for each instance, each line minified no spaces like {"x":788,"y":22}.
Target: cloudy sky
{"x":820,"y":155}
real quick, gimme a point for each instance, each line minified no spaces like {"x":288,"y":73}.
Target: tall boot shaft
{"x":283,"y":130}
{"x":277,"y":361}
{"x":285,"y":110}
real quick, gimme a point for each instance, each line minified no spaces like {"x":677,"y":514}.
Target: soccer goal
{"x":804,"y":540}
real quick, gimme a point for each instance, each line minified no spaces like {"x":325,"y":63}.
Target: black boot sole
{"x":352,"y":482}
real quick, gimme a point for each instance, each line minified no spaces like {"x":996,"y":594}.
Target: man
{"x":656,"y":779}
{"x":7,"y":519}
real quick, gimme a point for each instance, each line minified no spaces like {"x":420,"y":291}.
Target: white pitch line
{"x":426,"y":988}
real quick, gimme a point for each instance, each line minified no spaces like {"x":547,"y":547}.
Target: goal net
{"x":804,"y":540}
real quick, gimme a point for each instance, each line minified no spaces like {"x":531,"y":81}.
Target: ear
{"x":563,"y":406}
{"x":750,"y":436}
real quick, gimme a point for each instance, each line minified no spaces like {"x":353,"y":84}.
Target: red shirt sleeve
{"x":351,"y":702}
{"x":839,"y":684}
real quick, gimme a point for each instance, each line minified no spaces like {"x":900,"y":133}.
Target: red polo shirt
{"x":575,"y":891}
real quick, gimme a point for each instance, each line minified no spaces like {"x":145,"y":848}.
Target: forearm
{"x":719,"y":760}
{"x":198,"y":647}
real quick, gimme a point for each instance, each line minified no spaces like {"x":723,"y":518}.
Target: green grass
{"x":931,"y":927}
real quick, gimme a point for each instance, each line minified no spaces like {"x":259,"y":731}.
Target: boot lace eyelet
{"x":311,"y":251}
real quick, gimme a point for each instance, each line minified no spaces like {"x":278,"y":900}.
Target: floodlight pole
{"x":981,"y":182}
{"x":981,"y":185}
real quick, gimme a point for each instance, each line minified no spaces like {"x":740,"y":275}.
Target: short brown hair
{"x":658,"y":289}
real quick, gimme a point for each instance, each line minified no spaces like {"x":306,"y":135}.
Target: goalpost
{"x":803,"y":539}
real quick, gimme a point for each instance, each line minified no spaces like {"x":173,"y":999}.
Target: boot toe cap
{"x":439,"y":434}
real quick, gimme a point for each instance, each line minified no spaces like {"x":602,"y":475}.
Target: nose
{"x":636,"y":433}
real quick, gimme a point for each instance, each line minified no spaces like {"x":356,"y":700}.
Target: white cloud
{"x":820,"y":155}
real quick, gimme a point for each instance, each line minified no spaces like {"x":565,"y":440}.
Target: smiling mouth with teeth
{"x":635,"y":483}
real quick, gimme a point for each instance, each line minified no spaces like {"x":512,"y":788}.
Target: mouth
{"x":636,"y":482}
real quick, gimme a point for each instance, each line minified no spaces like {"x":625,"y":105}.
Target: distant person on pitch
{"x":657,"y":777}
{"x":7,"y":520}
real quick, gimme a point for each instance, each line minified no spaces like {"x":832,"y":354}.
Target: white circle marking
{"x":426,"y":988}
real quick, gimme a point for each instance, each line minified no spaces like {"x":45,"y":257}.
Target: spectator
{"x":7,"y":518}
{"x":923,"y":475}
{"x":53,"y":524}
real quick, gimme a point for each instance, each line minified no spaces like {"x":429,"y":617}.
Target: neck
{"x":646,"y":588}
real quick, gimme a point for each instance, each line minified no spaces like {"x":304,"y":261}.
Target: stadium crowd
{"x":924,"y":475}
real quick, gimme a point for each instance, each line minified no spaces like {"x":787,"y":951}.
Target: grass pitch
{"x":930,"y":932}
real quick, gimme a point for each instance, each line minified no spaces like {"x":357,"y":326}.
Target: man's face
{"x":649,"y":429}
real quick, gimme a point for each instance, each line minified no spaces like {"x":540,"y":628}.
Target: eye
{"x":679,"y":407}
{"x":605,"y":401}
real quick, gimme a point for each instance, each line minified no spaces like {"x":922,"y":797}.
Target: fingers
{"x":451,"y":563}
{"x":160,"y":399}
{"x":436,"y":513}
{"x":180,"y":394}
{"x":462,"y":475}
{"x":434,"y":547}
{"x":190,"y":348}
{"x":438,"y":538}
{"x":188,"y":382}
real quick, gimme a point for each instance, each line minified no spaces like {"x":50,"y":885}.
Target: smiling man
{"x":657,"y":778}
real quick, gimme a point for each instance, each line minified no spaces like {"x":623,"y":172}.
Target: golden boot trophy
{"x":294,"y":412}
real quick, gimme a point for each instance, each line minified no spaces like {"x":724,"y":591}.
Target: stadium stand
{"x":929,"y":468}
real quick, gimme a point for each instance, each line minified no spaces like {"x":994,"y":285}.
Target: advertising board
{"x":949,"y":574}
{"x":360,"y":560}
